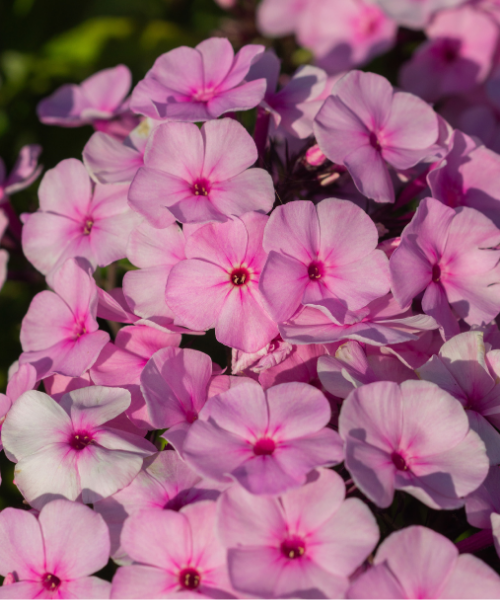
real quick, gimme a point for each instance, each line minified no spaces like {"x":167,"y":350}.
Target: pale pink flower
{"x":276,"y":18}
{"x":305,"y":543}
{"x":267,"y":441}
{"x":420,"y":563}
{"x":323,"y":253}
{"x":77,"y":218}
{"x":414,"y":437}
{"x":191,"y":565}
{"x":365,"y":124}
{"x":199,"y":84}
{"x":74,"y":453}
{"x":55,"y":555}
{"x":483,"y":502}
{"x":200,"y":175}
{"x":415,"y":14}
{"x":60,"y":333}
{"x":224,"y":264}
{"x":24,"y":173}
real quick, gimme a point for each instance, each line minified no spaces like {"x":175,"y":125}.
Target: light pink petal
{"x":90,"y":407}
{"x":107,"y":89}
{"x":138,"y":581}
{"x":370,"y":174}
{"x":87,"y":587}
{"x":149,"y":247}
{"x":377,"y":582}
{"x":488,"y":434}
{"x":66,"y":189}
{"x":22,"y":549}
{"x":64,"y":107}
{"x":244,"y":58}
{"x":22,"y":589}
{"x":25,"y":170}
{"x":294,"y":230}
{"x":23,"y":380}
{"x":244,"y":97}
{"x":472,"y":578}
{"x":252,"y":190}
{"x":435,"y":304}
{"x":144,"y":291}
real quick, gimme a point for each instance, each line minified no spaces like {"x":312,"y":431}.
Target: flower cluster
{"x":346,"y":255}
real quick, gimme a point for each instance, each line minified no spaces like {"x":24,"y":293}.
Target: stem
{"x":477,"y":541}
{"x":261,"y":132}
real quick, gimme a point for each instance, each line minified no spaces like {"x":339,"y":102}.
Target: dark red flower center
{"x":50,"y":582}
{"x":374,"y":141}
{"x":80,"y":440}
{"x":87,"y":227}
{"x":189,"y":579}
{"x":201,"y":187}
{"x":240,"y":276}
{"x":450,"y":50}
{"x":436,"y":273}
{"x":315,"y":270}
{"x":264,"y":447}
{"x":293,"y":547}
{"x":399,"y":462}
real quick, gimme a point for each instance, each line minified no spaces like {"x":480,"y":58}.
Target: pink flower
{"x":324,"y":253}
{"x":415,"y":15}
{"x":381,"y":323}
{"x":420,"y":563}
{"x":98,"y":101}
{"x":23,"y":380}
{"x":413,"y":437}
{"x":450,"y":255}
{"x":267,"y":441}
{"x":365,"y":124}
{"x":55,"y":555}
{"x":456,"y":58}
{"x":223,"y":267}
{"x":271,"y":355}
{"x":4,"y":255}
{"x":199,"y":84}
{"x":73,"y":453}
{"x":192,"y":564}
{"x":468,"y":176}
{"x":164,"y":482}
{"x":344,"y":35}
{"x":59,"y":333}
{"x":77,"y":219}
{"x":483,"y":502}
{"x":276,"y":18}
{"x":24,"y":173}
{"x":200,"y":175}
{"x":304,"y":544}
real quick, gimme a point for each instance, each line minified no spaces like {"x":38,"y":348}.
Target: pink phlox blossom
{"x":121,"y":363}
{"x":468,"y":176}
{"x":164,"y":482}
{"x":415,"y":353}
{"x":4,"y":255}
{"x":197,"y":175}
{"x":457,"y":57}
{"x":276,"y":18}
{"x":321,"y":253}
{"x":267,"y":441}
{"x":191,"y":565}
{"x":98,"y":101}
{"x":381,"y":323}
{"x":270,"y":356}
{"x":54,"y":555}
{"x":24,"y":173}
{"x":449,"y":254}
{"x":344,"y":35}
{"x":388,"y":246}
{"x":77,"y":218}
{"x":304,"y":544}
{"x":413,"y":437}
{"x":60,"y":333}
{"x":295,"y":105}
{"x":417,"y":562}
{"x":470,"y":373}
{"x":366,"y":125}
{"x":483,"y":502}
{"x":199,"y":84}
{"x":415,"y":15}
{"x":223,"y":266}
{"x":74,"y":454}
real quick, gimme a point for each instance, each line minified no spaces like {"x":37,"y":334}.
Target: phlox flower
{"x":305,"y":543}
{"x":417,"y":562}
{"x":415,"y":15}
{"x":74,"y":453}
{"x":450,"y":255}
{"x":23,"y":380}
{"x":4,"y":255}
{"x":468,"y":176}
{"x":60,"y":333}
{"x":24,"y":173}
{"x":165,"y":482}
{"x":54,"y":555}
{"x":271,"y":355}
{"x":77,"y":218}
{"x":380,"y":323}
{"x":321,"y":253}
{"x":267,"y":441}
{"x":414,"y":437}
{"x":365,"y":125}
{"x":98,"y":101}
{"x":199,"y":84}
{"x":485,"y":501}
{"x":276,"y":18}
{"x":223,"y":266}
{"x":457,"y":57}
{"x":200,"y":175}
{"x":177,"y":555}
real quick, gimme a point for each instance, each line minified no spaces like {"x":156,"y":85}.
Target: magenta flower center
{"x":293,"y":547}
{"x":436,"y":273}
{"x":50,"y":582}
{"x":191,"y":416}
{"x":374,"y":142}
{"x":80,"y":440}
{"x":189,"y":578}
{"x":450,"y":50}
{"x":315,"y":270}
{"x":87,"y":228}
{"x":240,"y":276}
{"x":264,"y":447}
{"x":204,"y":95}
{"x":201,"y":187}
{"x":399,"y":462}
